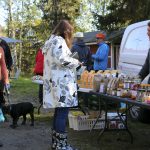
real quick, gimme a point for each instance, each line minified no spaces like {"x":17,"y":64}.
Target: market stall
{"x":112,"y":86}
{"x":109,"y":86}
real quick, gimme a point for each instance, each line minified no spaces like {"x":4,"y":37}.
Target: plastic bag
{"x":96,"y":82}
{"x":2,"y":119}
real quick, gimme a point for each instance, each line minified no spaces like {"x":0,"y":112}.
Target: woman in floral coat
{"x":60,"y":88}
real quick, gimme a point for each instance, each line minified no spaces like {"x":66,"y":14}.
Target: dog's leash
{"x":7,"y":94}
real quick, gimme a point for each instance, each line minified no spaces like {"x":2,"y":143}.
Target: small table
{"x":123,"y":117}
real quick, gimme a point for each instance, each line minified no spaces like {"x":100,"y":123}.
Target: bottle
{"x":106,"y":80}
{"x":101,"y":88}
{"x":118,"y":92}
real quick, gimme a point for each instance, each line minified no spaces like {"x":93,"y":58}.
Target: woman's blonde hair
{"x":65,"y":30}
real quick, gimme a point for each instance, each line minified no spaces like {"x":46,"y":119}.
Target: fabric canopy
{"x":10,"y":40}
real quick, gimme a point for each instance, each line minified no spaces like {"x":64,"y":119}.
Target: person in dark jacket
{"x":146,"y":67}
{"x":8,"y":62}
{"x":7,"y":53}
{"x":83,"y":50}
{"x":101,"y":56}
{"x":84,"y":57}
{"x":145,"y":113}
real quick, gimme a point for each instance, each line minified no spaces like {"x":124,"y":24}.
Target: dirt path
{"x":26,"y":137}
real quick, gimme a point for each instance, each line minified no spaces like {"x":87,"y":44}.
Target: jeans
{"x":41,"y":93}
{"x":60,"y":119}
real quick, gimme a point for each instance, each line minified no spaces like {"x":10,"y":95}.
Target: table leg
{"x":125,"y":120}
{"x":106,"y":122}
{"x":99,"y":116}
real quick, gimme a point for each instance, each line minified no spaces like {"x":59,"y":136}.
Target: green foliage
{"x":121,"y":13}
{"x":87,"y":8}
{"x":31,"y":25}
{"x":56,"y":10}
{"x":25,"y":25}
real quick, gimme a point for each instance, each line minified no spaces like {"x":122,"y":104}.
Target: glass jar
{"x":140,"y":95}
{"x":127,"y":83}
{"x":118,"y":92}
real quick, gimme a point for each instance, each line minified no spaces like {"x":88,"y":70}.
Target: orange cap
{"x":100,"y":35}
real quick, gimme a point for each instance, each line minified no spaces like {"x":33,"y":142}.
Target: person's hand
{"x":81,"y":63}
{"x":7,"y":86}
{"x":93,"y":56}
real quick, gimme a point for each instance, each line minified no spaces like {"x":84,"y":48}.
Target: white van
{"x":133,"y":51}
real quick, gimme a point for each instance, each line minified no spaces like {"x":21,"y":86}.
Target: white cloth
{"x":59,"y":88}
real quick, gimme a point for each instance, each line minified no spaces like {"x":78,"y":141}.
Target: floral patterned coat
{"x":60,"y":88}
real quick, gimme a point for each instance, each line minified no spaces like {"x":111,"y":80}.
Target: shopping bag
{"x":2,"y":119}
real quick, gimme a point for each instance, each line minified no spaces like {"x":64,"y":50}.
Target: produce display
{"x":114,"y":83}
{"x":86,"y":79}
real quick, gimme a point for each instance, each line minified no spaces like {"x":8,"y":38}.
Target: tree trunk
{"x":20,"y":46}
{"x":9,"y":3}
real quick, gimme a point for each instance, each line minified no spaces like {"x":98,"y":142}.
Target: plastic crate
{"x":84,"y":123}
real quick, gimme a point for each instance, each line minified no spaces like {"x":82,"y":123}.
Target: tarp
{"x":10,"y":40}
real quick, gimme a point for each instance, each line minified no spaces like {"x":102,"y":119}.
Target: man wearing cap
{"x":101,"y":56}
{"x":83,"y":50}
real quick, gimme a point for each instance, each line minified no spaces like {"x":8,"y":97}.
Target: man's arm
{"x":145,"y":69}
{"x":102,"y":53}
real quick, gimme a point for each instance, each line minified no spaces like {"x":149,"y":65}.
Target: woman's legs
{"x":59,"y":135}
{"x":41,"y":93}
{"x":60,"y":119}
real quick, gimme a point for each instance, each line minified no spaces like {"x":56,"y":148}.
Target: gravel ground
{"x":25,"y":137}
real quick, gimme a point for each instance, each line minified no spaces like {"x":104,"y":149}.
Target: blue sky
{"x":2,"y":16}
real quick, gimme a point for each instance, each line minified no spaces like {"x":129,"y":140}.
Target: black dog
{"x":20,"y":109}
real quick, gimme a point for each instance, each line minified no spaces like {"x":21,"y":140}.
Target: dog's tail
{"x":39,"y":108}
{"x":35,"y":107}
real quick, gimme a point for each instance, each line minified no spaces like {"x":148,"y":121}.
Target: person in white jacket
{"x":60,"y":87}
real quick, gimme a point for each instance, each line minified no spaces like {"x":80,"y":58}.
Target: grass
{"x":23,"y":87}
{"x":84,"y":140}
{"x":109,"y":141}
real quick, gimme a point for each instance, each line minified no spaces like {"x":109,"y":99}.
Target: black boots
{"x":54,"y":143}
{"x":1,"y":145}
{"x":59,"y":141}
